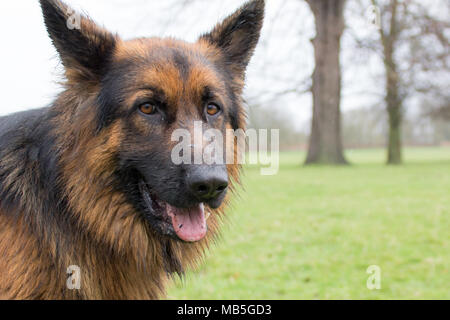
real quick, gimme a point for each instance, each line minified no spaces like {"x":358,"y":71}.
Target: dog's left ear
{"x":83,"y":46}
{"x":238,"y":35}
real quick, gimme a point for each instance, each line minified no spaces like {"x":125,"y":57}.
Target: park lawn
{"x":312,"y":232}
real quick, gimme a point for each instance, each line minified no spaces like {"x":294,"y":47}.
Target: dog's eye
{"x":212,"y":109}
{"x":147,"y":108}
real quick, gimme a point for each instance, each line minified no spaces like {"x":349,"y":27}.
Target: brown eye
{"x":213,"y":109}
{"x":147,"y":108}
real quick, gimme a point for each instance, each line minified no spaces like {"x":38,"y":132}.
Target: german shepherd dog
{"x":89,"y":181}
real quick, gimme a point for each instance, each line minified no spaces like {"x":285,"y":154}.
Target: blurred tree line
{"x":361,"y":128}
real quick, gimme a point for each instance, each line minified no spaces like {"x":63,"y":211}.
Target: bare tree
{"x":325,"y":144}
{"x":389,"y":40}
{"x":414,"y":49}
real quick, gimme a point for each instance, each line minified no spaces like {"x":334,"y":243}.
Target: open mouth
{"x":188,"y":225}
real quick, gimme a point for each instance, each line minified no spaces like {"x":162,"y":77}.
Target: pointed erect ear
{"x":238,"y":35}
{"x":83,"y":46}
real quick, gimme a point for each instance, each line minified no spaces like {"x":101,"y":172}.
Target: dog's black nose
{"x":207,"y":183}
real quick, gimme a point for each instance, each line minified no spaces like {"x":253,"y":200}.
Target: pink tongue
{"x":189,"y":224}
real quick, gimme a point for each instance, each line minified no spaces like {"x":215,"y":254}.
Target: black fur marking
{"x":172,"y":264}
{"x":182,"y":63}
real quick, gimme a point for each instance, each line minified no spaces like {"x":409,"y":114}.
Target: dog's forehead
{"x":175,"y":66}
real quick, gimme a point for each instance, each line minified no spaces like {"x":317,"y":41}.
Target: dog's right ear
{"x":83,"y":46}
{"x":238,"y":35}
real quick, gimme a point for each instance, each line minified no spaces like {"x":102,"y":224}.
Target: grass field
{"x":312,"y":232}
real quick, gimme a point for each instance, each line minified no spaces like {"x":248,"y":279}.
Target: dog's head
{"x":147,"y":89}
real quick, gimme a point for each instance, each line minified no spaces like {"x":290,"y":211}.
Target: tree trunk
{"x":325,"y":145}
{"x":395,"y":115}
{"x":393,"y":99}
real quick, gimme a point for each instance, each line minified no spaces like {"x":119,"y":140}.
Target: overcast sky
{"x":30,"y":67}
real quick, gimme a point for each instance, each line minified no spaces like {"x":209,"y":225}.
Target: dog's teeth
{"x":208,"y":214}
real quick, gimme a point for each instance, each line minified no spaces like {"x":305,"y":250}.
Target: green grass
{"x":312,"y":232}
